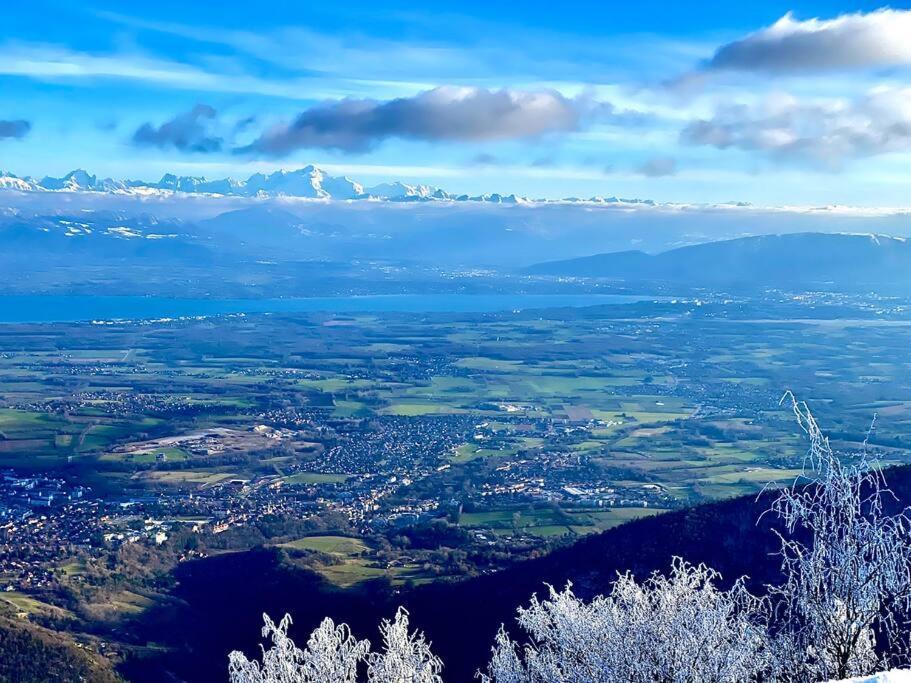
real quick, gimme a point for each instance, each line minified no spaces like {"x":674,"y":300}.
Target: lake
{"x":65,"y":308}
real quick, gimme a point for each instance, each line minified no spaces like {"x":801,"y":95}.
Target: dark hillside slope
{"x":30,"y":654}
{"x":811,"y":259}
{"x":225,"y":596}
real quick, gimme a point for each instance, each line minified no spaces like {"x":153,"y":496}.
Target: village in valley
{"x":357,"y":443}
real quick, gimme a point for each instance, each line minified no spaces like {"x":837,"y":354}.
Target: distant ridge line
{"x":309,"y":182}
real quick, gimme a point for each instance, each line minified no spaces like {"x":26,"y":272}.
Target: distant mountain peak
{"x":307,"y":182}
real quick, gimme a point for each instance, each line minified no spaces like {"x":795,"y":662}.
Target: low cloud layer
{"x":851,"y":41}
{"x":16,"y":130}
{"x":187,"y":132}
{"x":825,"y":134}
{"x":442,"y":114}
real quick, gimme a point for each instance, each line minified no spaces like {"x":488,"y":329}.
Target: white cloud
{"x":874,"y":39}
{"x":56,"y":63}
{"x":825,"y":133}
{"x":471,"y":51}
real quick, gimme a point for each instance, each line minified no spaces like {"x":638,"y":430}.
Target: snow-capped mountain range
{"x":309,"y":182}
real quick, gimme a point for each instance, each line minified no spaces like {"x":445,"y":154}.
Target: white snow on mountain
{"x":312,"y":183}
{"x":400,"y":190}
{"x":195,"y":185}
{"x":309,"y":182}
{"x":10,"y":182}
{"x":894,"y":676}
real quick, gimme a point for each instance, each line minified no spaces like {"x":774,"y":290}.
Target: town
{"x":519,"y":431}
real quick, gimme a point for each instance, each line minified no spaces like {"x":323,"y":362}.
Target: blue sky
{"x":685,"y":102}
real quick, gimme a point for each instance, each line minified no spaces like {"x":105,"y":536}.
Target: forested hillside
{"x":34,"y":655}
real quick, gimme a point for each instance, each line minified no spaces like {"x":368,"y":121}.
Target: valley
{"x":397,"y":343}
{"x":404,"y":448}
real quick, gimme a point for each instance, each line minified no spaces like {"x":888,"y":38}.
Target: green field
{"x":28,"y":606}
{"x":548,"y":523}
{"x":500,"y":413}
{"x":315,"y":478}
{"x":333,"y":545}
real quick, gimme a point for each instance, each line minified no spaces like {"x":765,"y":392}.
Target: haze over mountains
{"x":80,"y":223}
{"x":287,"y":247}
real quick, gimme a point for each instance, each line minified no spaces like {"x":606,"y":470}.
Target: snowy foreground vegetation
{"x":841,"y":611}
{"x":894,"y":676}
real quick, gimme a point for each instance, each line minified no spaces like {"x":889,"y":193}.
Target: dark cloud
{"x":442,"y":114}
{"x":244,"y":123}
{"x":824,"y":135}
{"x":485,"y":159}
{"x":851,"y":41}
{"x":17,"y":129}
{"x":544,"y":162}
{"x":658,"y":168}
{"x":187,"y":132}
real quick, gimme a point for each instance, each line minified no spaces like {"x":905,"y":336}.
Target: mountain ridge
{"x":776,"y":259}
{"x":308,"y":182}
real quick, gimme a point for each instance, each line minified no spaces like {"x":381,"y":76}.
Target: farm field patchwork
{"x":518,"y":428}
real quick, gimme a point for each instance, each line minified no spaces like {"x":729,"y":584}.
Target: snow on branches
{"x":846,"y":563}
{"x":406,"y":657}
{"x":333,"y":655}
{"x":676,"y":629}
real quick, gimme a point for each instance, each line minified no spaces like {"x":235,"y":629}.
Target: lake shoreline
{"x":25,"y":309}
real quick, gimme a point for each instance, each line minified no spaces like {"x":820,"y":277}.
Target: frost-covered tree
{"x":679,"y":628}
{"x":847,"y":565}
{"x":333,"y":655}
{"x":406,"y":657}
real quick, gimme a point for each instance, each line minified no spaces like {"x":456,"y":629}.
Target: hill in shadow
{"x":827,"y":260}
{"x":221,"y":599}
